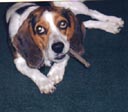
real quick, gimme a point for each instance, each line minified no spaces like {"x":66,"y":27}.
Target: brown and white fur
{"x":42,"y":35}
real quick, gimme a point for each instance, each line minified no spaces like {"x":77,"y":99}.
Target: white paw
{"x":112,"y":27}
{"x":115,"y":20}
{"x":46,"y":86}
{"x":56,"y":77}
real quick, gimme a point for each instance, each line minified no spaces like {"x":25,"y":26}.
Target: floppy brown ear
{"x":77,"y":39}
{"x":24,"y":44}
{"x":75,"y":31}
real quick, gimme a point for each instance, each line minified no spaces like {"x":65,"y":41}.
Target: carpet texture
{"x":101,"y":88}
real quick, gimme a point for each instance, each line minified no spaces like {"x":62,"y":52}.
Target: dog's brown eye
{"x":40,"y":30}
{"x":63,"y":24}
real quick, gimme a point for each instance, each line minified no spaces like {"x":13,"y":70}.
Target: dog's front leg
{"x":44,"y":84}
{"x":56,"y":73}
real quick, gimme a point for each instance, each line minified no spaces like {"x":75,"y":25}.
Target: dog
{"x":42,"y":36}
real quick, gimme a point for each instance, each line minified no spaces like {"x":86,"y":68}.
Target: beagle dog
{"x":42,"y":36}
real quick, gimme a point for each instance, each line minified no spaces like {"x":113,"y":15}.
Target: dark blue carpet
{"x":101,"y":88}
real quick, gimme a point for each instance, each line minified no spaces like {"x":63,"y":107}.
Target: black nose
{"x":58,"y":47}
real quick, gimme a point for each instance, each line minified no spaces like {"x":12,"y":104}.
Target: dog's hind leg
{"x":81,"y":8}
{"x":106,"y":26}
{"x":105,"y":18}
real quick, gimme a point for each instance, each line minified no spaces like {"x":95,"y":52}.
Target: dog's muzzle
{"x":58,"y":48}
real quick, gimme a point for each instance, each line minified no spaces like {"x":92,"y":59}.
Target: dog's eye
{"x":63,"y":24}
{"x":40,"y":30}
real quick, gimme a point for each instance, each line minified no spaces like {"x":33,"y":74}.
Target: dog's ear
{"x":75,"y":32}
{"x":76,"y":42}
{"x":24,"y":44}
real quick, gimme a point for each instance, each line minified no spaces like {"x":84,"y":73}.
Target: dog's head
{"x":45,"y":35}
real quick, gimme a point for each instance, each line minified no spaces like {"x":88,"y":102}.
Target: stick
{"x":79,"y":58}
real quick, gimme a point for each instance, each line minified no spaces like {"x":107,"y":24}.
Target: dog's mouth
{"x":60,"y":56}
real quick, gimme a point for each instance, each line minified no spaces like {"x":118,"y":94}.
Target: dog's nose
{"x":58,"y":47}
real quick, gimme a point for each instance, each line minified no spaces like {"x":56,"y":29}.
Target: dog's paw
{"x":118,"y":21}
{"x":46,"y":86}
{"x":112,"y":27}
{"x":56,"y":76}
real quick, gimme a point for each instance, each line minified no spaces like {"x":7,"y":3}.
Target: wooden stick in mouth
{"x":79,"y":58}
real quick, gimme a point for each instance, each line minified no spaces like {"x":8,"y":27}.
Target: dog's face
{"x":52,"y":31}
{"x":47,"y":32}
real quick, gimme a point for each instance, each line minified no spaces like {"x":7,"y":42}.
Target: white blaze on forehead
{"x":55,"y":36}
{"x":49,"y":17}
